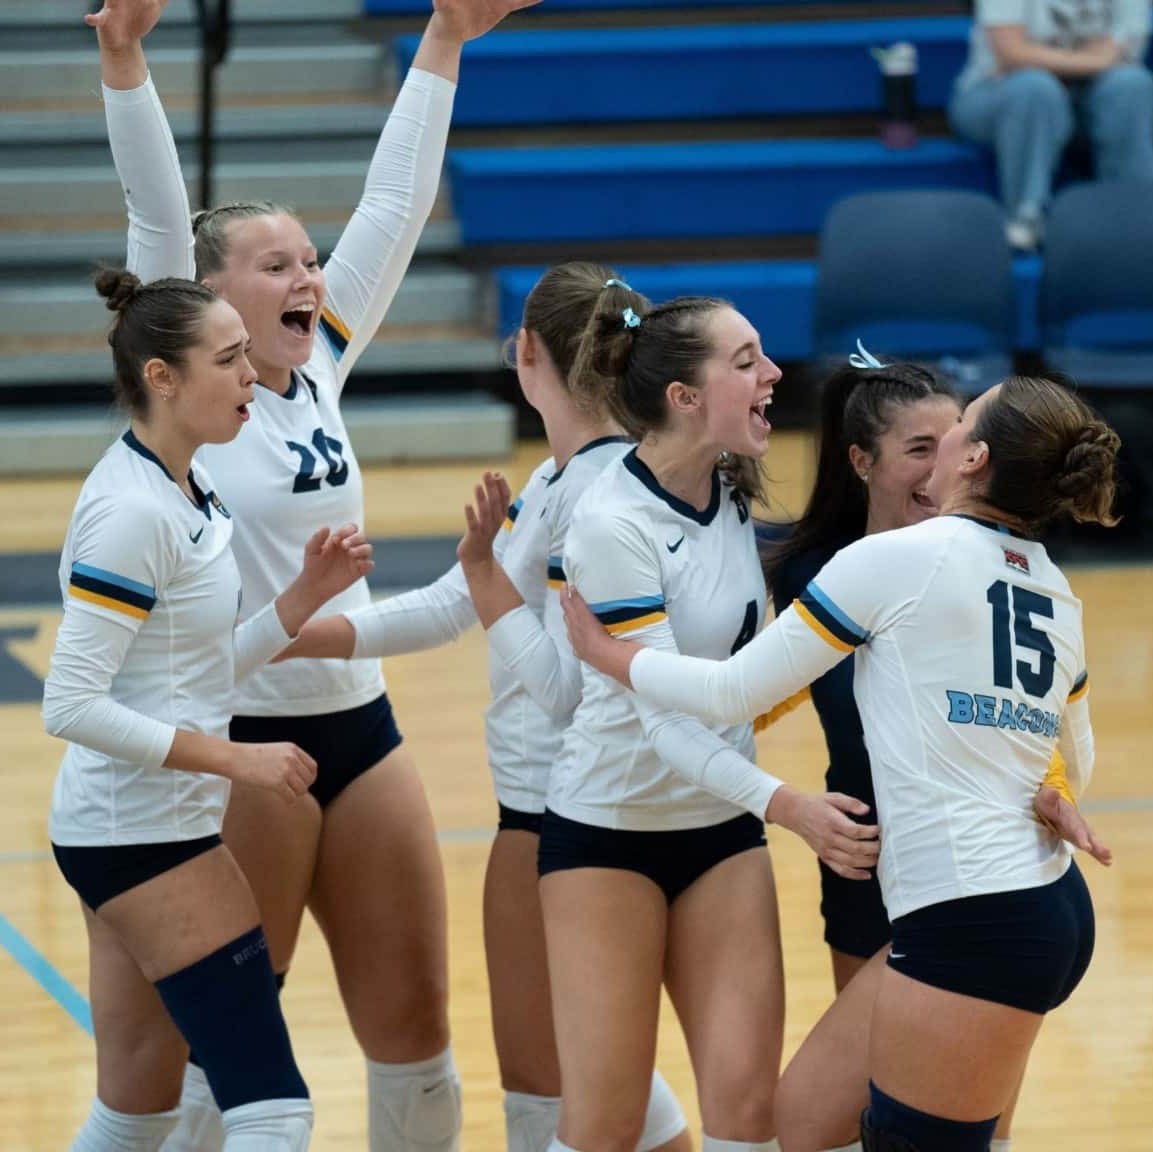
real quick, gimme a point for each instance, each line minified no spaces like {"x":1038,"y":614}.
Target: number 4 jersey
{"x":656,"y":570}
{"x":969,"y":668}
{"x":286,"y":475}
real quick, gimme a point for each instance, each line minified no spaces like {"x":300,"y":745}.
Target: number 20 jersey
{"x":288,"y":473}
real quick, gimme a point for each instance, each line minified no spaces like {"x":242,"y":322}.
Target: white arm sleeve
{"x":860,"y":591}
{"x":121,"y":562}
{"x":374,"y":251}
{"x":784,"y":658}
{"x":610,"y":562}
{"x":540,"y":657}
{"x":159,"y":224}
{"x":257,"y":640}
{"x":415,"y":621}
{"x":1075,"y":742}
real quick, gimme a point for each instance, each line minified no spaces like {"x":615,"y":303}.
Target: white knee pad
{"x":108,"y":1131}
{"x":530,"y":1121}
{"x":712,"y":1144}
{"x":199,"y":1128}
{"x":268,"y":1126}
{"x":664,"y":1118}
{"x":414,"y":1107}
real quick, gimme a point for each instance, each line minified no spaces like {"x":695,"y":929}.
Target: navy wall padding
{"x":777,"y":296}
{"x":634,"y":74}
{"x":731,"y":188}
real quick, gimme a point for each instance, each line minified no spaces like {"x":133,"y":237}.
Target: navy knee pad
{"x":280,"y":979}
{"x":227,"y":1008}
{"x":887,"y":1125}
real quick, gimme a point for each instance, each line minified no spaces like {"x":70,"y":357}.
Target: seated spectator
{"x":1038,"y":71}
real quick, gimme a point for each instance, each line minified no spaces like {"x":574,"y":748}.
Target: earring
{"x":864,"y":476}
{"x":167,"y":394}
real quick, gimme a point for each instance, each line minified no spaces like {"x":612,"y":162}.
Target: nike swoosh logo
{"x":196,"y":539}
{"x":674,"y":547}
{"x":896,"y":955}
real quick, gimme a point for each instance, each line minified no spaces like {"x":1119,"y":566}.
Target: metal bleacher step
{"x":69,"y":13}
{"x":66,"y":306}
{"x":58,"y":77}
{"x":391,"y":429}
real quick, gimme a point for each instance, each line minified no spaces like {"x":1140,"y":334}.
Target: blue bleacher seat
{"x":740,"y":188}
{"x":1097,"y":285}
{"x":608,"y":75}
{"x":416,"y":7}
{"x":923,"y":274}
{"x":778,"y":296}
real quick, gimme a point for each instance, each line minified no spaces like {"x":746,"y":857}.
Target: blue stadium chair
{"x":1097,"y":285}
{"x":924,"y":275}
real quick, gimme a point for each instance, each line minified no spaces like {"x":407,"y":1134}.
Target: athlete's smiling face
{"x":898,"y":470}
{"x":273,"y":278}
{"x":737,"y":390}
{"x":208,"y":395}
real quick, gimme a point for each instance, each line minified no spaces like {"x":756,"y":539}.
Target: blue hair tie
{"x":863,"y":358}
{"x":632,"y":320}
{"x":615,"y":283}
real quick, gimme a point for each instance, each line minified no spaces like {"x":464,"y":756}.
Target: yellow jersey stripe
{"x":108,"y":602}
{"x":820,"y":629}
{"x":769,"y":718}
{"x":619,"y":629}
{"x":336,"y":322}
{"x":1080,"y":693}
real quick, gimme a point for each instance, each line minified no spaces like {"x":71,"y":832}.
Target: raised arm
{"x":373,"y":254}
{"x":159,"y":227}
{"x":535,"y":652}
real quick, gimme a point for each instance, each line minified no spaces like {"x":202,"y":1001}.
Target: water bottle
{"x":899,"y":94}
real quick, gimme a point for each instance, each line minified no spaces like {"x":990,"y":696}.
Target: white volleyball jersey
{"x":969,"y":669}
{"x":667,"y":575}
{"x":535,"y":678}
{"x":151,"y":593}
{"x":292,"y":470}
{"x":288,"y":473}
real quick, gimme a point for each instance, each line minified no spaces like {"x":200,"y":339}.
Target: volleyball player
{"x":524,"y":728}
{"x":652,"y":845}
{"x":293,"y":468}
{"x":970,"y":671}
{"x":880,"y":425}
{"x":141,"y":685}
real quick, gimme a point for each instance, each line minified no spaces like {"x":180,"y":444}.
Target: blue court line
{"x":44,"y":973}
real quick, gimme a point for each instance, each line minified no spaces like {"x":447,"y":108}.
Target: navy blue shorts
{"x":513,"y":820}
{"x":344,"y":745}
{"x":856,"y":922}
{"x":1027,"y":949}
{"x":671,"y":860}
{"x":101,"y":872}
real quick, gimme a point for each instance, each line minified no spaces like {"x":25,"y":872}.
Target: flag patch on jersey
{"x":555,"y":572}
{"x":827,"y":620}
{"x":1016,"y":560}
{"x":335,"y":332}
{"x":108,"y":590}
{"x":621,"y":616}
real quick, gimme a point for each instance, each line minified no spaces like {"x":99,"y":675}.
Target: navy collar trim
{"x":992,"y":525}
{"x":644,"y":474}
{"x":201,"y":501}
{"x":588,"y":448}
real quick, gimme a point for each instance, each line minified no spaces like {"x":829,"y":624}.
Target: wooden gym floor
{"x":1090,"y":1083}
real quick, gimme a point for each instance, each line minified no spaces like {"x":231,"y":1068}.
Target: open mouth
{"x":242,"y":411}
{"x":759,"y":413}
{"x":921,"y":499}
{"x":299,"y":320}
